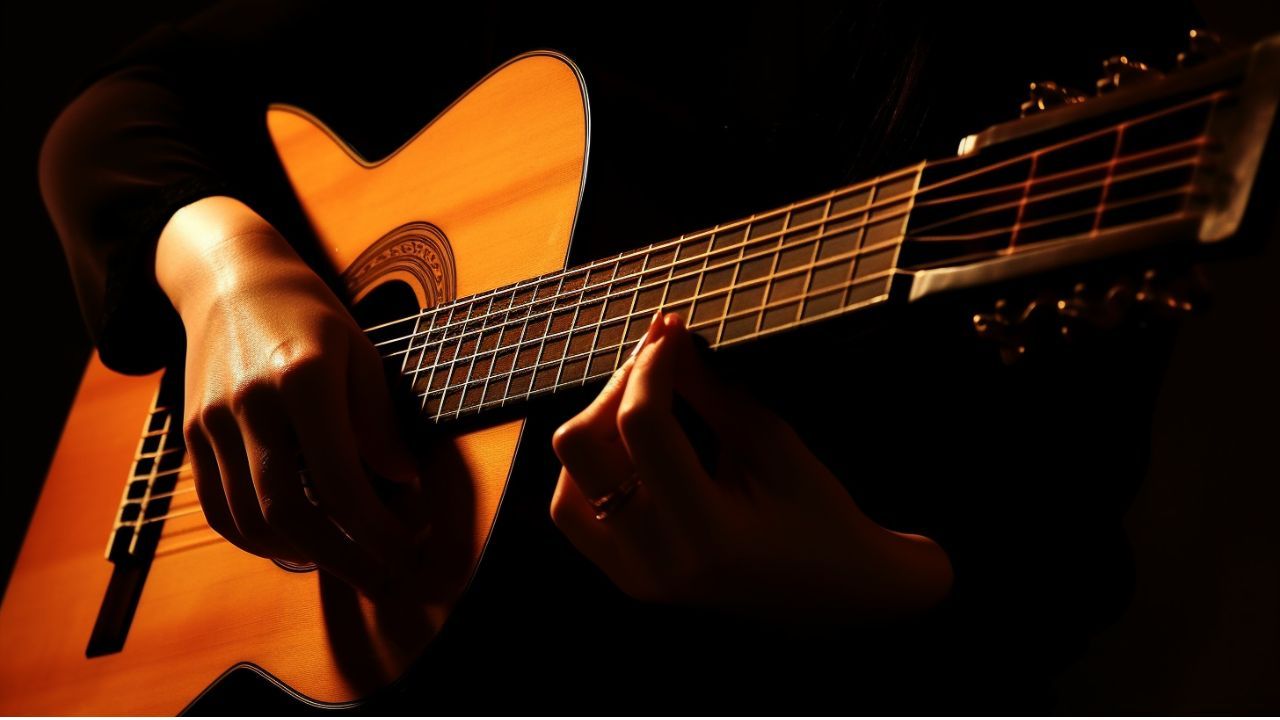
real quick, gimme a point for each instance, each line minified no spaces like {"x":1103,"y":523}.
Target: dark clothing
{"x":698,"y":117}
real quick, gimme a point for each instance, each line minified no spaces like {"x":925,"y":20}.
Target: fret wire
{"x":761,"y":280}
{"x":435,"y":365}
{"x":626,"y":324}
{"x":453,"y":363}
{"x":813,"y":260}
{"x":671,"y":269}
{"x":866,"y":209}
{"x":773,"y":271}
{"x":404,"y":362}
{"x":542,"y":343}
{"x":573,"y":324}
{"x":897,"y":251}
{"x":702,"y":270}
{"x":595,"y":336}
{"x":806,"y":294}
{"x":815,"y":250}
{"x":829,"y":261}
{"x":755,"y":241}
{"x":622,"y":344}
{"x":476,"y":356}
{"x":858,"y":187}
{"x":515,"y":357}
{"x":733,"y":282}
{"x":1210,"y":98}
{"x":501,"y":328}
{"x":632,"y":254}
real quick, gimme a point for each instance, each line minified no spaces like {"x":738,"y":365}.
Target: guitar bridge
{"x":148,"y":494}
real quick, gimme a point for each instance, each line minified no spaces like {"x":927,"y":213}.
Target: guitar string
{"x":822,"y":234}
{"x":639,"y":288}
{"x":1191,"y":162}
{"x":873,"y":184}
{"x":606,"y":350}
{"x":566,"y":358}
{"x":603,"y":264}
{"x":552,"y":388}
{"x":1102,"y":207}
{"x":1035,"y":180}
{"x":726,"y":292}
{"x":498,"y":327}
{"x":587,"y":354}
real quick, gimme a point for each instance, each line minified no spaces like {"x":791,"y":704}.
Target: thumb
{"x":378,"y":436}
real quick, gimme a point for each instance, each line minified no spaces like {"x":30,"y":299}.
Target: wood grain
{"x":500,"y":173}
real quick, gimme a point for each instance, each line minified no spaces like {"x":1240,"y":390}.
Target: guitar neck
{"x":732,"y":283}
{"x":1163,"y":162}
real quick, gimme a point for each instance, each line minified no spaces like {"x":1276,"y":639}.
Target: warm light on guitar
{"x":464,"y":231}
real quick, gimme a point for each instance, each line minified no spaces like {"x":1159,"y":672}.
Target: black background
{"x":1202,"y":633}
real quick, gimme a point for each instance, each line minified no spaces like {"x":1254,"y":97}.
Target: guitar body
{"x":484,"y":196}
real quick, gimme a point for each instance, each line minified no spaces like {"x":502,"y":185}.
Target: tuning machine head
{"x":1047,"y":95}
{"x":1202,"y":45}
{"x":1019,"y":327}
{"x":1123,"y":70}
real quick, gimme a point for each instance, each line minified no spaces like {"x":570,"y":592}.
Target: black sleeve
{"x":133,"y":146}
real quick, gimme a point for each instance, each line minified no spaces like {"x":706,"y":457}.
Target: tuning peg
{"x":1048,"y":95}
{"x":998,"y":326}
{"x":1013,"y":330}
{"x":1121,"y":70}
{"x":1201,"y":46}
{"x":1166,"y":297}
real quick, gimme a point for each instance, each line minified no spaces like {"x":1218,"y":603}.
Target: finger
{"x":749,"y":429}
{"x":237,"y":484}
{"x":208,"y":481}
{"x":271,"y":450}
{"x":653,"y":437}
{"x":378,"y":436}
{"x":318,"y":408}
{"x":573,"y":514}
{"x":589,"y":445}
{"x":287,"y":509}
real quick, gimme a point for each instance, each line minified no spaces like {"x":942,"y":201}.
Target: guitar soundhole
{"x":389,"y":301}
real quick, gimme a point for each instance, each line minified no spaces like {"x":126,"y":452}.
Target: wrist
{"x":215,"y":247}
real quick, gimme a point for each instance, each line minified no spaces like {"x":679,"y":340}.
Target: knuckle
{"x":636,"y":416}
{"x":191,"y":429}
{"x":213,"y":415}
{"x":569,"y":436}
{"x":296,"y":366}
{"x":248,"y":395}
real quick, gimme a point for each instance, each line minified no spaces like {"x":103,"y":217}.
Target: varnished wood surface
{"x":500,"y":174}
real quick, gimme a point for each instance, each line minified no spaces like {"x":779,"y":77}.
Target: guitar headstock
{"x":1150,"y":164}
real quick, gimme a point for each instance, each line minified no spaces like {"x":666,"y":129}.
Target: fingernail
{"x":655,"y":323}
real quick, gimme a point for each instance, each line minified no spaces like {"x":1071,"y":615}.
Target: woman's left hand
{"x":772,"y":532}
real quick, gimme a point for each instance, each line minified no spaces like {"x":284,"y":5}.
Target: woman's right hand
{"x":280,"y":377}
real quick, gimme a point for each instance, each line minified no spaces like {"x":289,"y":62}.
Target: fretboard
{"x":732,"y":283}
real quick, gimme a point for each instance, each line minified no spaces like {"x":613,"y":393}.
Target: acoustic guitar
{"x":123,"y":599}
